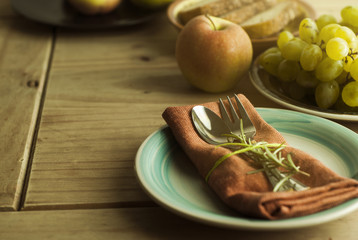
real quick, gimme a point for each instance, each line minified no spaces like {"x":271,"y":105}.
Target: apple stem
{"x":207,"y":15}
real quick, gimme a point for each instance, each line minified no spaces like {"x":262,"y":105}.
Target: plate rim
{"x":242,"y":222}
{"x":258,"y":84}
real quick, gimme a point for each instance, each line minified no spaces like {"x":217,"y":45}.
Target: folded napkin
{"x":251,"y":194}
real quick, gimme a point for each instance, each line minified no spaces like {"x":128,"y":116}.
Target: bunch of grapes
{"x":321,"y":62}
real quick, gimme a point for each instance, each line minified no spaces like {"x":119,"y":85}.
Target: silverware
{"x":235,"y":125}
{"x":249,"y":130}
{"x":209,"y":125}
{"x":211,"y":129}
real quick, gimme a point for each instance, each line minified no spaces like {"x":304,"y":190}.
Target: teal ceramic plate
{"x":168,"y":176}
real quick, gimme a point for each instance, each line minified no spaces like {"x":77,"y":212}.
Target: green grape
{"x":326,"y":94}
{"x":354,"y":29}
{"x":324,"y":20}
{"x":326,"y":33}
{"x":347,"y":62}
{"x":342,"y":78}
{"x":350,"y":15}
{"x":346,"y":33}
{"x":328,"y":69}
{"x":310,"y":57}
{"x":283,"y":38}
{"x":308,"y":30}
{"x":337,"y":48}
{"x":342,"y":107}
{"x":267,"y":51}
{"x":288,"y":70}
{"x":271,"y":61}
{"x":350,"y":94}
{"x":292,"y":49}
{"x":353,"y":45}
{"x":353,"y":70}
{"x":307,"y":79}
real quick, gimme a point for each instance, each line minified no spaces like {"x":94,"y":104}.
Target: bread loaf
{"x":211,"y":7}
{"x":259,"y":18}
{"x":272,"y":20}
{"x":244,"y":13}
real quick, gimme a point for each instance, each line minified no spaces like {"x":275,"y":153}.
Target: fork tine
{"x":249,"y":126}
{"x":241,"y":108}
{"x":224,"y":114}
{"x":234,"y":115}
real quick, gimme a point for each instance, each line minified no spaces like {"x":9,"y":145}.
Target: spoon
{"x":209,"y":125}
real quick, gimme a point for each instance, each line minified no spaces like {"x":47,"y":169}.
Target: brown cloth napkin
{"x":251,"y":194}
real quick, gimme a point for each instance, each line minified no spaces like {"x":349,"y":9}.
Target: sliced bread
{"x":211,"y":7}
{"x":248,"y":11}
{"x":272,"y":20}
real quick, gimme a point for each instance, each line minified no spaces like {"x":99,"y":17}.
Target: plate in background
{"x":60,"y":13}
{"x":269,"y":87}
{"x":169,"y":178}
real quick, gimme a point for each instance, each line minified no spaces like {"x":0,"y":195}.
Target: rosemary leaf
{"x":281,"y":182}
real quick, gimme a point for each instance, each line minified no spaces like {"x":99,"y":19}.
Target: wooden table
{"x":75,"y":107}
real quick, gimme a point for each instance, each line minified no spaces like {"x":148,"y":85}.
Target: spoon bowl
{"x":209,"y":125}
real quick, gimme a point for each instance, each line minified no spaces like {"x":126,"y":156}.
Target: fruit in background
{"x":271,"y":60}
{"x":151,"y":4}
{"x":350,"y":94}
{"x":337,"y":48}
{"x":94,"y":7}
{"x":283,"y":38}
{"x":311,"y":55}
{"x":293,"y":48}
{"x":350,"y":15}
{"x":213,"y":53}
{"x":327,"y":52}
{"x":308,"y":30}
{"x":324,"y":20}
{"x":326,"y":94}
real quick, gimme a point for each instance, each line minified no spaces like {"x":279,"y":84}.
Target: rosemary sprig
{"x":267,"y":156}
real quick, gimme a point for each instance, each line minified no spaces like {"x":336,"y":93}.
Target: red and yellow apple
{"x":94,"y":7}
{"x":213,"y":53}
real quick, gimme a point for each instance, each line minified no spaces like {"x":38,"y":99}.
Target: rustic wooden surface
{"x":89,"y":99}
{"x":147,"y":223}
{"x":25,"y":48}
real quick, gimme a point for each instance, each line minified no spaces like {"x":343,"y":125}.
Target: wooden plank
{"x":104,"y":97}
{"x":148,"y":223}
{"x":24,"y":50}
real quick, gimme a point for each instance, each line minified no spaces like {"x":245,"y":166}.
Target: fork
{"x":235,"y":125}
{"x":249,"y":131}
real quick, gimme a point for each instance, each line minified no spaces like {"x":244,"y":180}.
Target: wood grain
{"x":24,"y":56}
{"x":148,"y":223}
